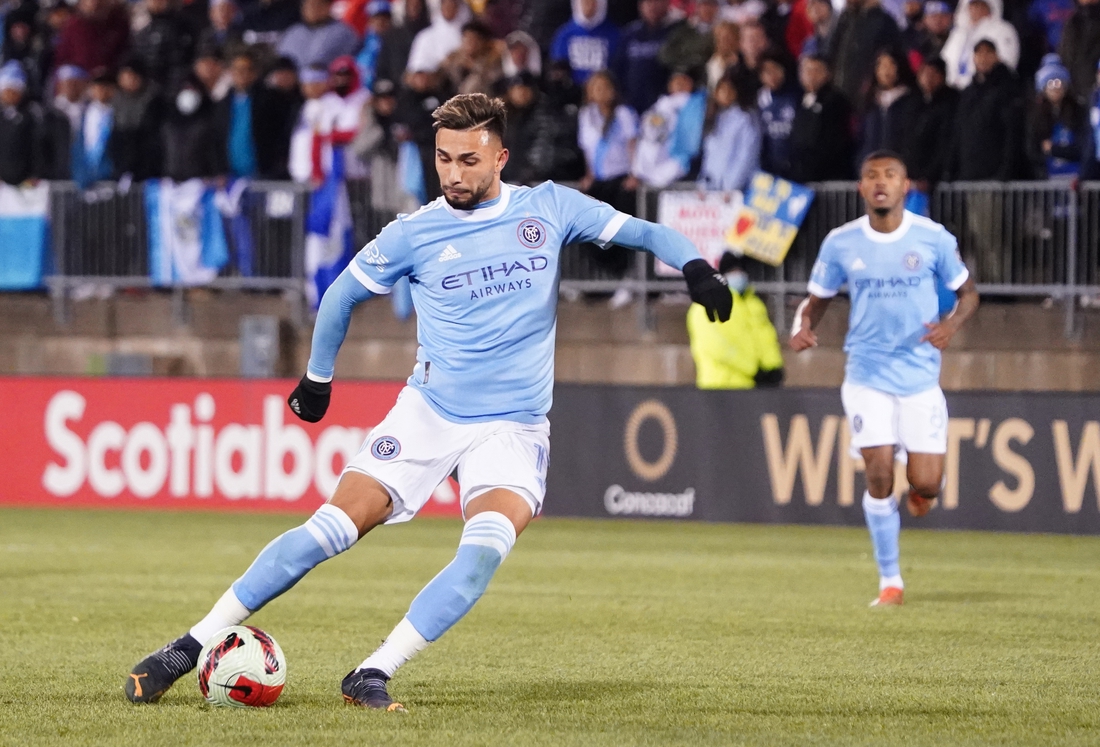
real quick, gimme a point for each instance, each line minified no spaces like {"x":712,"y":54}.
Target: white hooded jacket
{"x":958,"y":52}
{"x":432,"y":45}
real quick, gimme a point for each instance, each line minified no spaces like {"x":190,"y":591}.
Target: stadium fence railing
{"x":1020,"y":239}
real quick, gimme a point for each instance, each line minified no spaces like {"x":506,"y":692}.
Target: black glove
{"x":708,"y":289}
{"x":309,"y":400}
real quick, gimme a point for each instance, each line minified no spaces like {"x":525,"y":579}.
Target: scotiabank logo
{"x":189,"y":456}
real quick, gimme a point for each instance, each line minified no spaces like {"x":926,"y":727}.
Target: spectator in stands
{"x":820,"y":15}
{"x":21,"y":128}
{"x":308,"y":133}
{"x":522,"y":55}
{"x":607,"y":131}
{"x":263,"y":23}
{"x":1056,"y":125}
{"x":397,"y":42}
{"x":238,"y":117}
{"x":17,"y":42}
{"x":475,"y":67}
{"x":379,"y":23}
{"x":432,"y":45}
{"x":731,"y":139}
{"x":1080,"y":46}
{"x":209,"y":68}
{"x":671,"y":134}
{"x":778,"y":100}
{"x":984,"y":21}
{"x":740,"y":353}
{"x":70,"y":89}
{"x":890,"y":106}
{"x":1049,"y":17}
{"x":345,"y":103}
{"x":422,"y":92}
{"x":319,"y":38}
{"x":927,"y":40}
{"x":377,"y":145}
{"x":727,"y":54}
{"x":588,"y":42}
{"x":193,"y":144}
{"x":224,"y":29}
{"x":989,"y":126}
{"x":94,"y":144}
{"x":930,"y":137}
{"x":278,"y":109}
{"x":98,"y":36}
{"x":691,"y":44}
{"x":542,"y":143}
{"x":821,"y":147}
{"x":166,"y":44}
{"x":862,"y":29}
{"x":1090,"y":157}
{"x":642,"y":77}
{"x":55,"y":14}
{"x":138,"y":116}
{"x":744,"y":11}
{"x":754,"y":44}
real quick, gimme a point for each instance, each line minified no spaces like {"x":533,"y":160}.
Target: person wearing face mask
{"x":741,"y":353}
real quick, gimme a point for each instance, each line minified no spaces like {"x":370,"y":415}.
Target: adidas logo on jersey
{"x":858,"y":265}
{"x":449,"y":253}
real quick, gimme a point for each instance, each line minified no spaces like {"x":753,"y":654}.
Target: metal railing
{"x":1018,"y":238}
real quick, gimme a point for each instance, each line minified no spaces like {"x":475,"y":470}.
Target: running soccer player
{"x":891,"y":259}
{"x":483,"y":261}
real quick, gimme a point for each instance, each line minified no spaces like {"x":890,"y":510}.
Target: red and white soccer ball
{"x":242,"y":667}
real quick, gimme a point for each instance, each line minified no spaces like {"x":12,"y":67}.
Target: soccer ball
{"x":241,"y":666}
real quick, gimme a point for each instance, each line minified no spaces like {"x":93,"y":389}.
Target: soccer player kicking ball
{"x":483,"y":261}
{"x":891,"y":259}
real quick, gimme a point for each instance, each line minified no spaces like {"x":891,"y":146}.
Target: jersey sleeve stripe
{"x":959,"y":280}
{"x":368,"y":282}
{"x":611,"y":229}
{"x":819,"y":290}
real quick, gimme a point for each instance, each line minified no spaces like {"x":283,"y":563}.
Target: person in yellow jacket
{"x":743,"y":352}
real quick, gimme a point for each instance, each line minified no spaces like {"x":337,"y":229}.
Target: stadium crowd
{"x":607,"y":93}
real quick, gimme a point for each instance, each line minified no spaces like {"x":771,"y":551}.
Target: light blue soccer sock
{"x":279,"y":566}
{"x":486,"y":541}
{"x":884,"y":523}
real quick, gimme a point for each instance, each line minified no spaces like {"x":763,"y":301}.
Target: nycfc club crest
{"x":911,"y":260}
{"x":857,"y":423}
{"x":531,"y":233}
{"x":385,"y":448}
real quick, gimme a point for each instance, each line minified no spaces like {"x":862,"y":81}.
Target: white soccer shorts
{"x":916,"y":423}
{"x":414,"y":449}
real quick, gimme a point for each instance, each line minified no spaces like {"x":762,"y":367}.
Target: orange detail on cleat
{"x":395,"y":707}
{"x":137,"y":683}
{"x":891,"y":596}
{"x":918,"y":505}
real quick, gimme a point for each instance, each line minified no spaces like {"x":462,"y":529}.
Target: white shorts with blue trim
{"x":414,"y":449}
{"x":916,"y":423}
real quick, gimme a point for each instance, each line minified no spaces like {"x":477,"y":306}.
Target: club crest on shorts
{"x":912,"y":261}
{"x":857,"y":423}
{"x":385,"y":448}
{"x":531,"y":233}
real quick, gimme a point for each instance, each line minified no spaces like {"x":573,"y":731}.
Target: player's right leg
{"x":359,"y":505}
{"x":872,"y":420}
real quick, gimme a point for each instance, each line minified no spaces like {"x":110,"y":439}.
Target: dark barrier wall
{"x":1025,"y":462}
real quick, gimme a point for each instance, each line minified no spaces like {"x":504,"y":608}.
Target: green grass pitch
{"x":593,"y":632}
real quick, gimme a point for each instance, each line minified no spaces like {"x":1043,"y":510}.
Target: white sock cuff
{"x":227,"y":612}
{"x":879,"y":506}
{"x":333,"y":529}
{"x":885,"y":582}
{"x":490,"y":529}
{"x":403,"y":642}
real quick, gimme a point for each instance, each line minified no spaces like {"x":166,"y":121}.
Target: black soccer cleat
{"x":153,"y":675}
{"x":367,"y":688}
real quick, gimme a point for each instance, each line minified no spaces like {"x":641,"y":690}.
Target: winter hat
{"x":71,"y":72}
{"x":936,"y":6}
{"x":379,"y":7}
{"x":1051,"y":69}
{"x":13,"y":76}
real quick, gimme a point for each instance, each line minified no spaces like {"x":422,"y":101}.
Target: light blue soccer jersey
{"x":892,"y":283}
{"x":484,"y":283}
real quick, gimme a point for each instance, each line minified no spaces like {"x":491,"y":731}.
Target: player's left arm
{"x":587,"y":219}
{"x":954,"y":274}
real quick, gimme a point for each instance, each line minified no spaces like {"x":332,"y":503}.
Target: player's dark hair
{"x":883,"y":154}
{"x":471,"y":111}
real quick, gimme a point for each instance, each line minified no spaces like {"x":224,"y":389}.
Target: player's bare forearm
{"x":940,"y":334}
{"x":806,"y":319}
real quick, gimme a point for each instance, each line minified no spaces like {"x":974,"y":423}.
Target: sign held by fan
{"x":769,"y":220}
